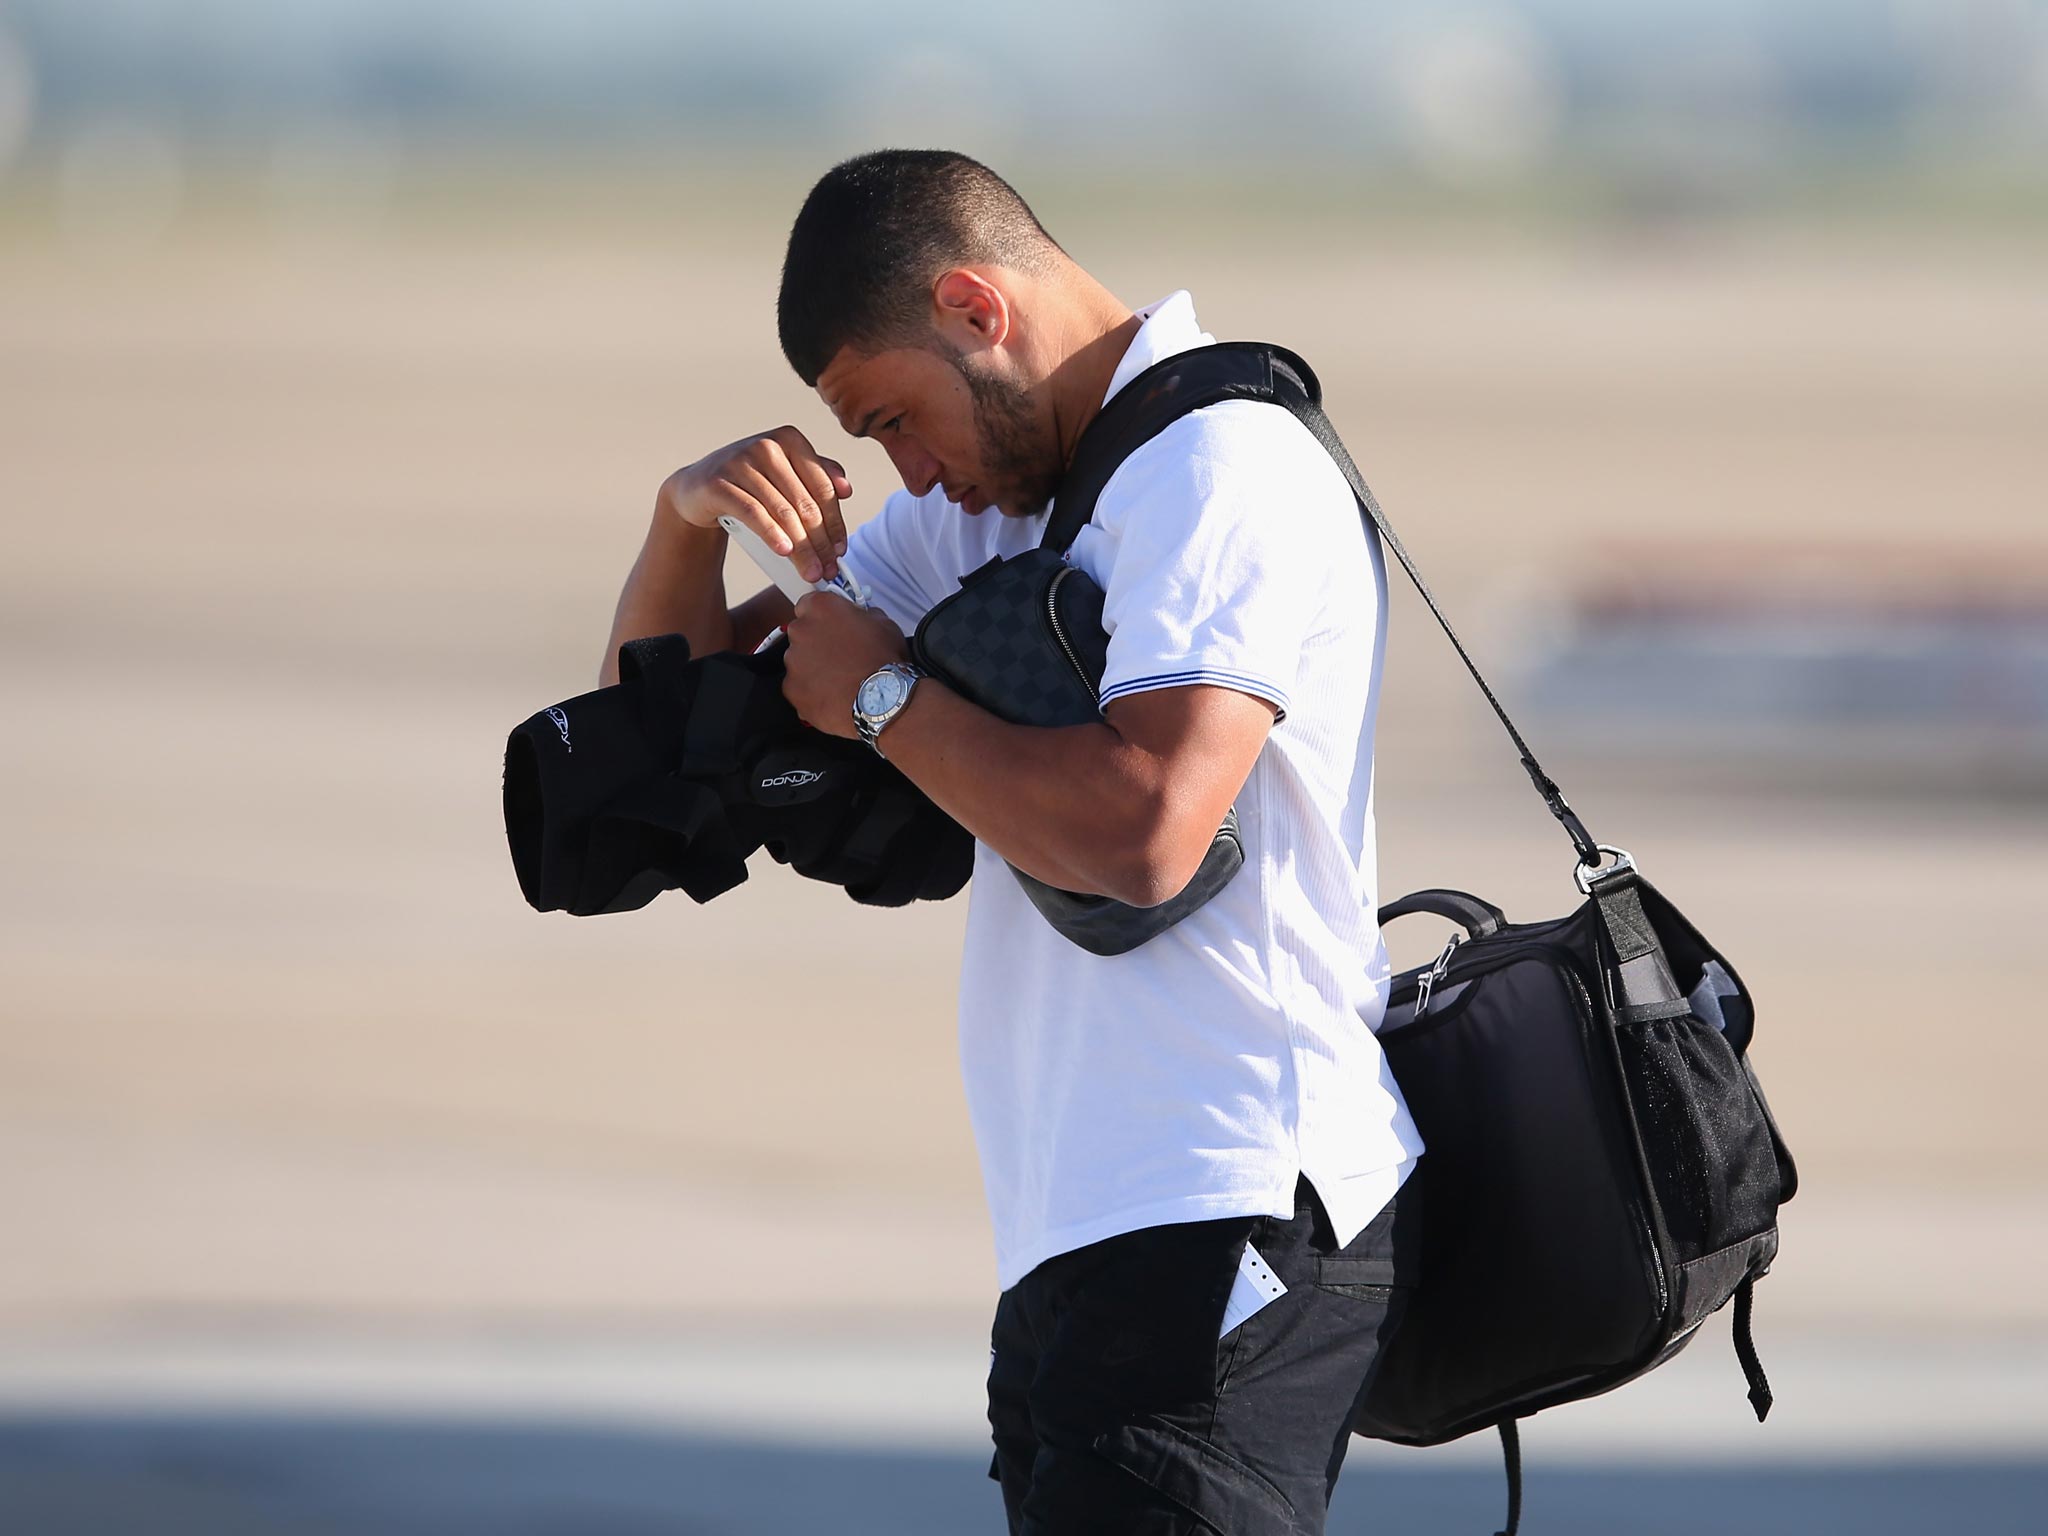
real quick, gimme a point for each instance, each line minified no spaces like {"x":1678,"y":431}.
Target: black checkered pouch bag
{"x":1023,"y":638}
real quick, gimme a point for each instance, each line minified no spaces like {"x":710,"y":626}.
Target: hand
{"x":776,"y":484}
{"x":833,"y":648}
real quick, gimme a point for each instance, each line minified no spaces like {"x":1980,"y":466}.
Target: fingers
{"x":812,"y":485}
{"x":724,"y":498}
{"x":795,"y":515}
{"x":828,"y":484}
{"x":779,"y":487}
{"x":807,"y":606}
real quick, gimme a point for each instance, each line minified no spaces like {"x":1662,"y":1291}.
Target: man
{"x":1191,"y":1151}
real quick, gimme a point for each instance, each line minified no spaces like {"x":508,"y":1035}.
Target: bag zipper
{"x":1052,"y":617}
{"x":1427,"y":983}
{"x":1498,"y":957}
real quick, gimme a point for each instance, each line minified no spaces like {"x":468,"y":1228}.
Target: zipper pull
{"x":1434,"y":975}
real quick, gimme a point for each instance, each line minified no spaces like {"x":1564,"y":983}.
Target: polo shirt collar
{"x":1167,"y":326}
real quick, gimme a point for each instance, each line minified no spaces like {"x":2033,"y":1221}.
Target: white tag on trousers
{"x":1256,"y":1286}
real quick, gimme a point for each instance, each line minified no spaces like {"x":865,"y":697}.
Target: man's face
{"x":949,"y":419}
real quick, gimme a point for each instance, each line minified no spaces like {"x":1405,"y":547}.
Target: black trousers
{"x":1116,"y":1408}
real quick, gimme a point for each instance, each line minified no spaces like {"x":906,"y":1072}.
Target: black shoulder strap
{"x":1255,"y":370}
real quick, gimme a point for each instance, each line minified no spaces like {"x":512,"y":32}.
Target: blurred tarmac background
{"x":342,"y":348}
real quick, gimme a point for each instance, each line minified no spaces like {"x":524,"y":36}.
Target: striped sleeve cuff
{"x":1218,"y":677}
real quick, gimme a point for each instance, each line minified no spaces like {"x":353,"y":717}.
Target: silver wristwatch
{"x":881,"y":698}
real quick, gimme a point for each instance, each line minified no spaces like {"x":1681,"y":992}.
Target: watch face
{"x":880,"y":693}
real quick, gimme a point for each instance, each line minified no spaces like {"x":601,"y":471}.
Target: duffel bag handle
{"x":1478,"y":918}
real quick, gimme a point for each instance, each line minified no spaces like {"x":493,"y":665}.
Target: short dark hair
{"x":872,"y":235}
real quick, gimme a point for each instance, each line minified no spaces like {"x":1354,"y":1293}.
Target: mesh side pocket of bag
{"x":1709,"y":1149}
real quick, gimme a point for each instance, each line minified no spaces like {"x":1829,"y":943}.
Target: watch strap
{"x":871,"y":726}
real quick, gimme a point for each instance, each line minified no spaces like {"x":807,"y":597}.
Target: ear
{"x":969,"y":310}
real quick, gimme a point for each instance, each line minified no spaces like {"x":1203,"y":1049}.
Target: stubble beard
{"x":1012,"y":454}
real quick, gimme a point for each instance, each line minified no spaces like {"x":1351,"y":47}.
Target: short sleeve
{"x":890,"y":556}
{"x":1215,"y":570}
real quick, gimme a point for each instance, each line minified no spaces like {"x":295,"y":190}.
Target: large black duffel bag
{"x":1602,"y":1169}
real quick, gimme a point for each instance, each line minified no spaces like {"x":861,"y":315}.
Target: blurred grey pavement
{"x":753,"y":1433}
{"x":369,"y":1478}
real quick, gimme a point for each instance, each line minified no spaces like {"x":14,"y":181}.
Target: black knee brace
{"x":673,"y":777}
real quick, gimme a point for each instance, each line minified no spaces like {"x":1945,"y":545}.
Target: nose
{"x":920,"y":471}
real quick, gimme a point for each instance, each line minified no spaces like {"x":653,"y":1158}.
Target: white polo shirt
{"x":1195,"y":1076}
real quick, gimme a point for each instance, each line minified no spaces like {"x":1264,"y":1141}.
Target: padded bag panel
{"x":1546,"y":1275}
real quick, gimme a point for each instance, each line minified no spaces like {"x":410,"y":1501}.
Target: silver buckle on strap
{"x":1587,"y":876}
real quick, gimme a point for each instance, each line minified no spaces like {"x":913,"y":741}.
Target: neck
{"x":1098,"y":338}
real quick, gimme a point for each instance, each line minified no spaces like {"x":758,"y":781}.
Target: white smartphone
{"x":780,"y":570}
{"x":776,"y":568}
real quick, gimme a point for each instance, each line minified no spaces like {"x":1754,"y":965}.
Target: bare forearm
{"x":677,"y":586}
{"x":1126,"y":807}
{"x":773,"y":483}
{"x":1078,"y":807}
